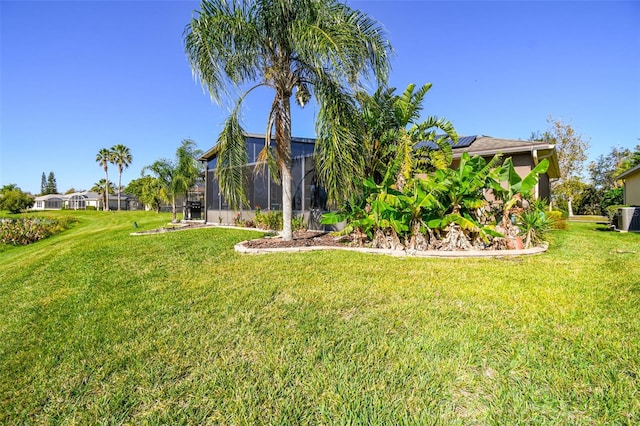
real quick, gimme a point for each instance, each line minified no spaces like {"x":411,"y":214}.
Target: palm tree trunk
{"x":173,"y":209}
{"x":283,"y":140}
{"x":106,"y":190}
{"x":119,"y":184}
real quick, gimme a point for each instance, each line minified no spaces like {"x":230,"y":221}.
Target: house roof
{"x":632,"y":171}
{"x":213,"y":152}
{"x":474,"y":145}
{"x":49,"y":197}
{"x":486,"y":145}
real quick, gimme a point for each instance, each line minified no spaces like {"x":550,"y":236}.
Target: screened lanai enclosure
{"x":309,"y":199}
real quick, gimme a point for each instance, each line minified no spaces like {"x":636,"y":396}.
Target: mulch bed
{"x":300,"y":239}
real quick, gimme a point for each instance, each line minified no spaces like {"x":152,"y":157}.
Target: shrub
{"x":238,"y":220}
{"x":557,"y":218}
{"x":29,"y":230}
{"x":15,"y":201}
{"x":612,"y":212}
{"x":297,"y":223}
{"x":271,"y":220}
{"x":534,"y":225}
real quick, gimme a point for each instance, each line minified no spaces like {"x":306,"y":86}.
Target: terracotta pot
{"x":515,"y":243}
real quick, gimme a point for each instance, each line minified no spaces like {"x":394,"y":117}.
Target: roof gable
{"x":632,"y":171}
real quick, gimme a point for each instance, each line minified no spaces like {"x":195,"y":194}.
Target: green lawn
{"x":98,"y":326}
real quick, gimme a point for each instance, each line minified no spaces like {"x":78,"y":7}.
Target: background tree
{"x":122,"y":159}
{"x":43,"y":184}
{"x":606,"y":168}
{"x":148,"y":191}
{"x":293,"y":47}
{"x":13,"y":199}
{"x":52,"y":185}
{"x":103,"y":187}
{"x":572,"y":154}
{"x":104,"y":157}
{"x":605,"y":190}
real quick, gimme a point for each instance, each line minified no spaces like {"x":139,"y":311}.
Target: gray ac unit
{"x":629,"y":219}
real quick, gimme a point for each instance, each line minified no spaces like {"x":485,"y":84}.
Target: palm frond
{"x":232,"y":160}
{"x":338,"y":150}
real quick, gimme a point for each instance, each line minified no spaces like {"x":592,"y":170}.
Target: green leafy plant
{"x":271,"y":220}
{"x":238,"y":220}
{"x":558,"y":221}
{"x":297,"y":223}
{"x":25,"y":231}
{"x":534,"y":226}
{"x":447,"y":209}
{"x":612,"y":212}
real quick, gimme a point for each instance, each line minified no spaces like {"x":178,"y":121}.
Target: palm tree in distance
{"x":103,"y":187}
{"x":177,"y":177}
{"x":188,"y":169}
{"x":164,"y":172}
{"x":121,"y":158}
{"x":295,"y":48}
{"x":104,"y":157}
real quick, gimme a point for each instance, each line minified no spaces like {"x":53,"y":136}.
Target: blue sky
{"x":77,"y":76}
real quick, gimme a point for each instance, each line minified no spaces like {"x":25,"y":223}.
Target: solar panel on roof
{"x":463,"y":142}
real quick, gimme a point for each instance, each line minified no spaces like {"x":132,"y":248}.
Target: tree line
{"x":575,"y":193}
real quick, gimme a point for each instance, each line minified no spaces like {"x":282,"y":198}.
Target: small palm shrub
{"x":534,"y":226}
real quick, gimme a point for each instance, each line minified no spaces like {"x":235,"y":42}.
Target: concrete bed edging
{"x":240,"y":248}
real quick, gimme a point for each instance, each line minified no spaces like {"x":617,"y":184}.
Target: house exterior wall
{"x":632,"y":190}
{"x":47,"y":205}
{"x":264,"y":193}
{"x":523,"y":164}
{"x":308,"y":197}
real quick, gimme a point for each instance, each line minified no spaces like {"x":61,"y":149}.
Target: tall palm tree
{"x":104,"y":157}
{"x":121,"y":158}
{"x":294,"y":47}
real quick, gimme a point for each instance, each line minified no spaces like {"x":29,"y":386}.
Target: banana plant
{"x":464,"y":197}
{"x":517,"y":187}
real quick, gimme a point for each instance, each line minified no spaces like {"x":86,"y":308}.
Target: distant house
{"x":83,"y":200}
{"x":48,"y":202}
{"x":310,"y":199}
{"x":631,"y":181}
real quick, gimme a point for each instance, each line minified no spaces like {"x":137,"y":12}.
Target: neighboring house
{"x":48,"y":202}
{"x":84,"y":199}
{"x":631,"y":180}
{"x":310,"y":199}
